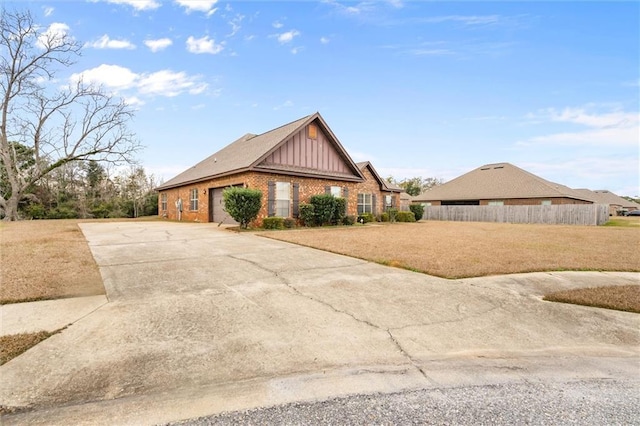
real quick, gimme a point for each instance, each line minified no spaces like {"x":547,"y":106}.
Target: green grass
{"x":622,"y":221}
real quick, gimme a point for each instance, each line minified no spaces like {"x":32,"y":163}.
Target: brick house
{"x":500,"y":184}
{"x":288,"y":164}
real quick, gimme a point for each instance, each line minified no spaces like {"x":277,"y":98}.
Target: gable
{"x":309,"y":149}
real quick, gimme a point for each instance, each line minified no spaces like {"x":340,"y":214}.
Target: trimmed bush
{"x":384,"y":217}
{"x":307,"y":214}
{"x":393,"y":214}
{"x":348,"y":220}
{"x":273,"y":222}
{"x":405,"y":217}
{"x":324,"y":207}
{"x":418,"y":210}
{"x":289,"y":223}
{"x":242,"y":204}
{"x":339,"y":210}
{"x":365,"y":218}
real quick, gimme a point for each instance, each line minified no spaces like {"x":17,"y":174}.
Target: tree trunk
{"x":11,"y":208}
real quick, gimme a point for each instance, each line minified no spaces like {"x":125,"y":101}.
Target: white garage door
{"x":217,"y":207}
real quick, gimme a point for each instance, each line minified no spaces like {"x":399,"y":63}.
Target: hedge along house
{"x":289,"y":164}
{"x":500,"y":184}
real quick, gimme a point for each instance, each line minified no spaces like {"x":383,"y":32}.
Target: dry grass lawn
{"x":472,"y":249}
{"x":46,"y":259}
{"x":14,"y":345}
{"x":622,"y":298}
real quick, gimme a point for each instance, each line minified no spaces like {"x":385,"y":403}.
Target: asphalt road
{"x":582,"y":402}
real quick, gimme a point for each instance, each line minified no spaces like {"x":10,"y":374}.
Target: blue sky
{"x":432,"y":89}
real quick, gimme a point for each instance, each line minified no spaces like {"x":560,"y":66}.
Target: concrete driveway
{"x":202,"y":320}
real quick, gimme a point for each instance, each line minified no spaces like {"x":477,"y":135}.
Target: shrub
{"x":384,"y":217}
{"x":405,"y":217}
{"x":289,"y":223}
{"x":307,"y":215}
{"x":365,"y":218}
{"x":35,"y":211}
{"x":339,"y":210}
{"x":324,"y":207}
{"x":418,"y":210}
{"x":348,"y":220}
{"x":242,"y":204}
{"x":273,"y":222}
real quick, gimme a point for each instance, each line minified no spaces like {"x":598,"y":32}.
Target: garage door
{"x":216,"y":208}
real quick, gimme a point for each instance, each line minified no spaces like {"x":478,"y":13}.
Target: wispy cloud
{"x":235,"y":24}
{"x":277,"y":25}
{"x":48,"y":11}
{"x":287,"y":37}
{"x":297,"y":49}
{"x":464,"y":19}
{"x":613,"y":127}
{"x":204,"y":6}
{"x":158,"y":44}
{"x":285,"y":104}
{"x":138,"y":4}
{"x":324,"y":40}
{"x":204,"y":45}
{"x":123,"y":81}
{"x":105,"y":42}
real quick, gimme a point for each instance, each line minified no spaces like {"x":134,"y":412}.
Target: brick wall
{"x":307,"y":188}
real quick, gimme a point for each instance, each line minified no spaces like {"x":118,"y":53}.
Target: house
{"x":617,"y":205}
{"x":289,"y":164}
{"x":500,"y":184}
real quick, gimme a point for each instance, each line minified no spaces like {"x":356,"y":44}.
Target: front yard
{"x":471,"y":249}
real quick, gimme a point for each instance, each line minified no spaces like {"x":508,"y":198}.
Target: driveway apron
{"x":202,"y":320}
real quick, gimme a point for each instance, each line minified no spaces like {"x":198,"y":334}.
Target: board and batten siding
{"x":561,"y":214}
{"x":300,"y":150}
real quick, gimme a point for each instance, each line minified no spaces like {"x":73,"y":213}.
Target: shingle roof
{"x":496,"y":182}
{"x":245,"y":153}
{"x":383,"y":183}
{"x":602,"y":196}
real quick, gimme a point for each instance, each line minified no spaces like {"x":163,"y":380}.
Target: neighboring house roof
{"x":384,"y":185}
{"x":496,"y":182}
{"x":602,"y":196}
{"x":249,"y":152}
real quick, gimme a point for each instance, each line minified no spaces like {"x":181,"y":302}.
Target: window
{"x":163,"y":202}
{"x":545,"y":202}
{"x":427,"y":204}
{"x":364,"y":203}
{"x":388,"y":201}
{"x":496,"y":203}
{"x":282,"y":199}
{"x":336,"y":191}
{"x":193,"y":204}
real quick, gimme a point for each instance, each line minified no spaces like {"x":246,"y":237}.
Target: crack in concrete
{"x":395,"y":342}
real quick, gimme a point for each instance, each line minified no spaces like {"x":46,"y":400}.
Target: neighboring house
{"x":617,"y":205}
{"x":500,"y":184}
{"x":288,"y":164}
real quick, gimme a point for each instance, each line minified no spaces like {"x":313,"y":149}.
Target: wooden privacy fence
{"x":561,"y":214}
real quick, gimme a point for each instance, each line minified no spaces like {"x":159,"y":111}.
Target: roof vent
{"x":499,"y":167}
{"x":485,"y":168}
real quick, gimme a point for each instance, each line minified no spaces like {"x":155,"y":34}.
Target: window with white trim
{"x":496,"y":203}
{"x":336,"y":191}
{"x":545,"y":202}
{"x":163,"y":202}
{"x":364,"y":203}
{"x":283,"y":199}
{"x":193,"y":200}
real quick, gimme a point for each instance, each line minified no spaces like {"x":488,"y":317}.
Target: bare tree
{"x":77,"y":122}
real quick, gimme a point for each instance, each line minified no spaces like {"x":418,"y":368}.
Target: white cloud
{"x":611,"y":128}
{"x":287,"y":36}
{"x":205,"y":6}
{"x":297,"y":50}
{"x":431,"y":52}
{"x":48,"y":11}
{"x":277,"y":25}
{"x":204,"y":45}
{"x":235,"y":24}
{"x":132,"y":85}
{"x":133,"y":101}
{"x":168,"y":83}
{"x":286,"y":104}
{"x":324,"y":40}
{"x":138,"y":4}
{"x":465,"y":19}
{"x":53,"y":36}
{"x":105,"y":42}
{"x":158,"y":44}
{"x":111,"y":76}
